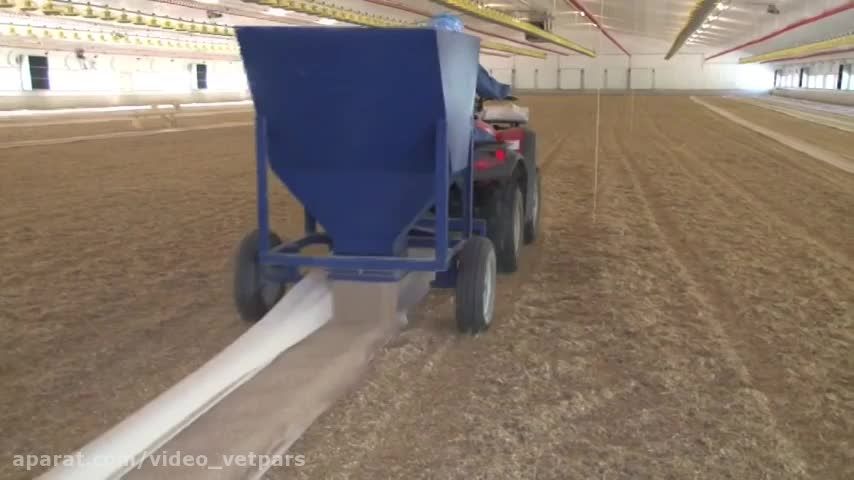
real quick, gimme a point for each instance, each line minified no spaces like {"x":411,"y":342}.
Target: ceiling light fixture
{"x":276,"y":12}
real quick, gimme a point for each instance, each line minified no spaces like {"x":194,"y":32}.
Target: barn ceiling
{"x":737,"y":23}
{"x":623,"y":20}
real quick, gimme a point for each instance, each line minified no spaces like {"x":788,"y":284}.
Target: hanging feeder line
{"x":20,"y":30}
{"x":823,"y":47}
{"x":106,"y":13}
{"x":478,"y":10}
{"x":151,"y":20}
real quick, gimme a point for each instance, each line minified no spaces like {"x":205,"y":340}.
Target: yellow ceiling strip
{"x":826,"y":46}
{"x":495,"y":16}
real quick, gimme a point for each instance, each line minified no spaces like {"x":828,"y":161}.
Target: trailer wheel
{"x":254,"y":295}
{"x":475,"y":293}
{"x":505,"y":224}
{"x":532,"y":225}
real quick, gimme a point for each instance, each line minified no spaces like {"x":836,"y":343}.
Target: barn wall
{"x":116,"y":79}
{"x":104,"y":78}
{"x":610,"y":69}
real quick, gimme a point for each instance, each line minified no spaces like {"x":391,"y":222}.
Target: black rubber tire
{"x":475,"y":290}
{"x":532,"y":225}
{"x":506,"y":201}
{"x":251,"y":300}
{"x":529,"y":146}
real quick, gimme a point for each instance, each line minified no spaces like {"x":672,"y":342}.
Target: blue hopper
{"x":371,"y":130}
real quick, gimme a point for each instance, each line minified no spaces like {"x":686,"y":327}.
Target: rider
{"x":488,"y":88}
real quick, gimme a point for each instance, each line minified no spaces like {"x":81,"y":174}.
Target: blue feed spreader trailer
{"x":371,"y":130}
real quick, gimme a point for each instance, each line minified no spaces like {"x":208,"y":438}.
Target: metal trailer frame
{"x":444,"y":234}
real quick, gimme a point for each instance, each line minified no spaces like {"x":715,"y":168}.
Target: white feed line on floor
{"x":115,"y":135}
{"x":64,"y":120}
{"x":23,"y":113}
{"x":814,"y":151}
{"x":631,"y":103}
{"x":303,"y":310}
{"x":632,"y":90}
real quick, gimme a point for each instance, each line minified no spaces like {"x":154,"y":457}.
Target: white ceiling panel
{"x":626,"y":20}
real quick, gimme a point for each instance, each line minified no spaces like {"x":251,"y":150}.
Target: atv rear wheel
{"x":532,"y":224}
{"x":505,"y":223}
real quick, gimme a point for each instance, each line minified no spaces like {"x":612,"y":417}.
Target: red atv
{"x":507,"y":179}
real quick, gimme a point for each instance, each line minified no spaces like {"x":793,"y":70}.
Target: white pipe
{"x":123,"y":108}
{"x":114,"y":135}
{"x":303,"y":310}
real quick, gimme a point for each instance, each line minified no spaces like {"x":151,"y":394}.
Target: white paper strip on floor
{"x":303,"y":310}
{"x":255,"y":426}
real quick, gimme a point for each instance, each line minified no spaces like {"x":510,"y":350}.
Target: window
{"x":38,"y":72}
{"x":201,"y":76}
{"x":829,"y":81}
{"x":828,"y":76}
{"x":846,"y":77}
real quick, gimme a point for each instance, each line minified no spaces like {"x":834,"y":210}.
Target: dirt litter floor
{"x":694,"y":318}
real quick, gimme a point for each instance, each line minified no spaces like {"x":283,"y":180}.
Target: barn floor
{"x":692,"y":319}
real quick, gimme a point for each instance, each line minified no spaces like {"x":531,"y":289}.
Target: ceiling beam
{"x":578,"y":6}
{"x":701,"y":11}
{"x":776,"y":33}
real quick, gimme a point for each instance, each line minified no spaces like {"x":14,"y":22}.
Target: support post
{"x":468,"y":194}
{"x":443,"y":190}
{"x":261,"y":179}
